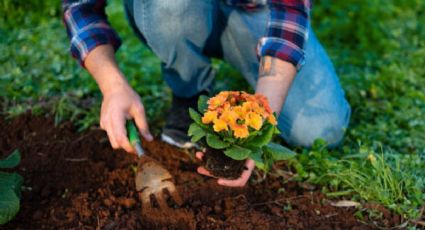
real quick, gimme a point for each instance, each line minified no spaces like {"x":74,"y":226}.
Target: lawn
{"x":377,"y":46}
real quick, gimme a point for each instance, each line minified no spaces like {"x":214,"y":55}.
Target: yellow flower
{"x":239,"y":110}
{"x":246,"y":107}
{"x":220,"y":125}
{"x":254,"y":120}
{"x":209,"y":117}
{"x":229,"y":116}
{"x":272,"y":119}
{"x":240,"y":131}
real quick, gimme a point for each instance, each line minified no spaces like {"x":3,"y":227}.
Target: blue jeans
{"x":185,"y":34}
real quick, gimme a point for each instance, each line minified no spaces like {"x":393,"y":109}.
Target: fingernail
{"x":148,"y":137}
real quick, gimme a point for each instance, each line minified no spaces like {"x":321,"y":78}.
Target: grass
{"x":378,"y":50}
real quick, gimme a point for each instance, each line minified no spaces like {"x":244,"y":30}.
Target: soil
{"x":76,"y":181}
{"x":221,"y":165}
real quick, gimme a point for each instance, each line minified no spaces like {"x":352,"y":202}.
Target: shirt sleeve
{"x":87,"y":27}
{"x":286,"y":31}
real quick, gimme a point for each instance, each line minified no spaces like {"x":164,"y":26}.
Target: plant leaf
{"x":9,"y":204}
{"x":195,"y":116}
{"x":202,"y":103}
{"x":11,"y":161}
{"x":264,"y":138}
{"x":237,"y":153}
{"x":214,"y":142}
{"x":278,"y":152}
{"x":12,"y":181}
{"x":10,"y":190}
{"x":196,"y":132}
{"x":257,"y":156}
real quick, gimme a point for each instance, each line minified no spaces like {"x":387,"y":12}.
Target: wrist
{"x":275,"y":79}
{"x":111,"y":83}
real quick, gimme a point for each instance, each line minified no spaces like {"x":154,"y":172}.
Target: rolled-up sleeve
{"x":87,"y":27}
{"x":286,"y":31}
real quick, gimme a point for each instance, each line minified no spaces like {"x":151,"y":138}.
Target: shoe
{"x":178,"y":122}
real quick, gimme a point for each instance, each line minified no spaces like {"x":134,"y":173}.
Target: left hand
{"x":239,"y":182}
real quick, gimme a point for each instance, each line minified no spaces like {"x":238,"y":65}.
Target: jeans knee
{"x":330,"y":128}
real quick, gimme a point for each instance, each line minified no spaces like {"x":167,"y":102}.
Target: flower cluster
{"x":238,"y":112}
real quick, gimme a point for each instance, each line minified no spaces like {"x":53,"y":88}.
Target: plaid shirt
{"x":87,"y":26}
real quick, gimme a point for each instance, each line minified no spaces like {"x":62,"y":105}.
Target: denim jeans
{"x":185,"y":34}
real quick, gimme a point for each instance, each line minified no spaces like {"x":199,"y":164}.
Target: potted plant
{"x":234,"y":126}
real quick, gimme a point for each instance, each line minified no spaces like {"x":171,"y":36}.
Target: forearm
{"x":275,"y":79}
{"x":101,"y":64}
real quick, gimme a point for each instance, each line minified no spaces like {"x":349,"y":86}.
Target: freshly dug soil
{"x":76,"y":181}
{"x":221,"y":165}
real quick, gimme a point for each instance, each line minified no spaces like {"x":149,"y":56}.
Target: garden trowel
{"x":151,"y":177}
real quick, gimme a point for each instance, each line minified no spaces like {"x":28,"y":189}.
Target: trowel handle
{"x":133,"y":137}
{"x":133,"y":134}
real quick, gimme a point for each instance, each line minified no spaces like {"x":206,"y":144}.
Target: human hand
{"x":118,"y":105}
{"x":240,"y":182}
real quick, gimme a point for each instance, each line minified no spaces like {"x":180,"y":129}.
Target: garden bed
{"x":75,"y":180}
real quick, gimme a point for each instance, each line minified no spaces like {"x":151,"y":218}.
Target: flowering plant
{"x":240,"y":124}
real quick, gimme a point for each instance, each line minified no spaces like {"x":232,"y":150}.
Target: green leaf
{"x":10,"y":190}
{"x":12,"y":181}
{"x":264,"y":138}
{"x":257,"y":156}
{"x":9,"y":204}
{"x":214,"y":142}
{"x":196,"y":132}
{"x":202,"y":103}
{"x":195,"y":116}
{"x":237,"y":153}
{"x":278,"y":152}
{"x":11,"y":161}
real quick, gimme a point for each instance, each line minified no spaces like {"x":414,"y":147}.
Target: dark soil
{"x":76,"y":181}
{"x":221,"y":165}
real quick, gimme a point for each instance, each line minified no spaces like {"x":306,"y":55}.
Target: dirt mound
{"x":75,"y":180}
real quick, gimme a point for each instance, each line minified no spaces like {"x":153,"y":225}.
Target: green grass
{"x":378,"y":48}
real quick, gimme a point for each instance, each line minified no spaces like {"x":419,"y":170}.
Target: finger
{"x":241,"y":181}
{"x":199,"y":155}
{"x":120,"y":133}
{"x":102,"y":123}
{"x":203,"y":171}
{"x":138,"y":113}
{"x":249,"y":164}
{"x":232,"y":183}
{"x":111,"y":137}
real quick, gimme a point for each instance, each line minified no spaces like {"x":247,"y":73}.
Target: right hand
{"x":120,"y":104}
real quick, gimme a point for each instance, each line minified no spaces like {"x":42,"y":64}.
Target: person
{"x":271,"y":43}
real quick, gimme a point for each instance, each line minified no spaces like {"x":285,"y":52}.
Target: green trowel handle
{"x":133,"y":134}
{"x":133,"y":137}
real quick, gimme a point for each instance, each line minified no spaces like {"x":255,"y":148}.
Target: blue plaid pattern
{"x":88,"y":27}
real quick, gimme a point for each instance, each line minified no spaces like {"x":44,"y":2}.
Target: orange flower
{"x":246,"y":107}
{"x":254,"y":120}
{"x":209,"y":117}
{"x":272,"y":119}
{"x":240,"y":131}
{"x":220,"y":125}
{"x":217,"y":101}
{"x":229,"y":116}
{"x":263,"y":101}
{"x":238,"y":110}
